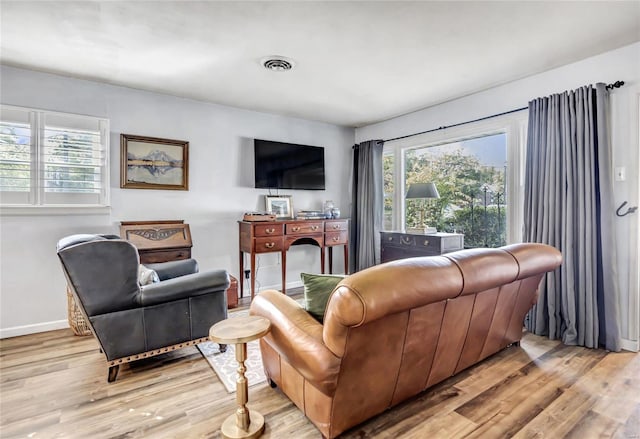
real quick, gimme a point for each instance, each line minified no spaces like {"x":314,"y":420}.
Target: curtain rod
{"x":457,"y":124}
{"x":616,"y":84}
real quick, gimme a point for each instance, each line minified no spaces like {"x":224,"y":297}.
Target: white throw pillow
{"x":147,"y":276}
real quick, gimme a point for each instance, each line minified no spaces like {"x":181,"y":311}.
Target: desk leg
{"x":242,"y":424}
{"x":253,"y":274}
{"x":322,"y":260}
{"x":346,"y":259}
{"x":284,"y":272}
{"x":241,"y":274}
{"x":330,"y":260}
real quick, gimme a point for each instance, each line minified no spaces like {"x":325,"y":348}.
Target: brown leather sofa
{"x":396,"y":329}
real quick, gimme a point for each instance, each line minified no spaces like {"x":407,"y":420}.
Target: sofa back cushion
{"x":376,"y":292}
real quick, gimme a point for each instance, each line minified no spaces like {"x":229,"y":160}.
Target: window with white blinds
{"x":49,"y":158}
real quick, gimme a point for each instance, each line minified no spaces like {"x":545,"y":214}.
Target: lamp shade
{"x":422,"y":190}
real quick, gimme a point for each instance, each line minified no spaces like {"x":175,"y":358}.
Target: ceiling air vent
{"x":277,"y":63}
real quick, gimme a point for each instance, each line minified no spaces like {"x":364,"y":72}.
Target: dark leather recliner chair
{"x":132,"y":321}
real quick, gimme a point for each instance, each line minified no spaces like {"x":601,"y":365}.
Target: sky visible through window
{"x":489,"y":150}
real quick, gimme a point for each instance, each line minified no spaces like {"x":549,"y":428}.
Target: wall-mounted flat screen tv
{"x":280,"y":165}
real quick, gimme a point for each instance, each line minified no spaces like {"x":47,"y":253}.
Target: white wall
{"x":32,"y":286}
{"x":622,"y":64}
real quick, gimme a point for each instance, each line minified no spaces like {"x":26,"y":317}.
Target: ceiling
{"x":356,"y":63}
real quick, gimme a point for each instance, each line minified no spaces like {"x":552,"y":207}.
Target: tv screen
{"x":281,"y":165}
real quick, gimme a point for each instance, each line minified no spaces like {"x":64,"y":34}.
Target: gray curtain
{"x":569,"y":205}
{"x":366,"y":207}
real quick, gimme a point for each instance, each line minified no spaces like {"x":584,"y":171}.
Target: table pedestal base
{"x":230,"y":429}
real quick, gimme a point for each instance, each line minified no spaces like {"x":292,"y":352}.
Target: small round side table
{"x":240,"y":331}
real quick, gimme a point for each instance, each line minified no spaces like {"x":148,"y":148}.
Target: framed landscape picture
{"x":153,"y":163}
{"x":280,"y":205}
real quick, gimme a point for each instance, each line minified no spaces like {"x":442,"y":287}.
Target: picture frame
{"x":280,"y":205}
{"x":153,"y":163}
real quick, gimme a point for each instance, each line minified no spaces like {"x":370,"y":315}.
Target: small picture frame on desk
{"x":279,"y":205}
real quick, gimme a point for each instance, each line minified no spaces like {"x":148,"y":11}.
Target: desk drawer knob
{"x":270,"y":244}
{"x":336,"y":226}
{"x":426,"y":242}
{"x":269,"y":230}
{"x":314,"y":228}
{"x":405,"y":240}
{"x":295,"y":229}
{"x":335,"y":239}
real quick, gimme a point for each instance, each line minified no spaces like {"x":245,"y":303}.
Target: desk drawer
{"x":304,"y":228}
{"x":334,"y":226}
{"x":156,"y":256}
{"x":268,"y":230}
{"x":269,"y":244}
{"x":335,"y":238}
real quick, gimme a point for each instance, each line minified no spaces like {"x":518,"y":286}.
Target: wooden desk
{"x":279,"y":236}
{"x":158,"y":241}
{"x":400,"y":245}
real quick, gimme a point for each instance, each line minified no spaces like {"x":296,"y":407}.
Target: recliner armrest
{"x":171,"y":269}
{"x":183,"y":287}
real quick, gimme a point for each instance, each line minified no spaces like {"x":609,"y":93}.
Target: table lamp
{"x":422,"y":191}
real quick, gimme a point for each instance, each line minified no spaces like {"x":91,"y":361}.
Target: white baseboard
{"x":33,"y":329}
{"x":630,"y":345}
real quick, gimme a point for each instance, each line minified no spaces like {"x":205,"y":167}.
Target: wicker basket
{"x":77,"y":321}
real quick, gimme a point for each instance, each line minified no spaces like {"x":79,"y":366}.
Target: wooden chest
{"x":400,"y":245}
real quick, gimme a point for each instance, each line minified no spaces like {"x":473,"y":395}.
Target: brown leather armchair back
{"x":396,"y":329}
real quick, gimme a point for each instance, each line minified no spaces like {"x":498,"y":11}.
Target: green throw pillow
{"x":317,"y":289}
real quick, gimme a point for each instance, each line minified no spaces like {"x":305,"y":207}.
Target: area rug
{"x":225,"y":365}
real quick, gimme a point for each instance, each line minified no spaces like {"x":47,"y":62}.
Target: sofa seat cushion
{"x":317,"y":289}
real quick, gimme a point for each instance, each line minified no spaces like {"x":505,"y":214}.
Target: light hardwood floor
{"x":54,"y":385}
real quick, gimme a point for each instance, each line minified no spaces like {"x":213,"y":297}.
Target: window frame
{"x":36,"y":203}
{"x":513,"y":125}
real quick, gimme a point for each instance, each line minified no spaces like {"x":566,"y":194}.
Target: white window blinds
{"x":49,"y":158}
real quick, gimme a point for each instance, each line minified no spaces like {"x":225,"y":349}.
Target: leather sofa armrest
{"x":183,"y":287}
{"x":297,"y":337}
{"x":171,"y":269}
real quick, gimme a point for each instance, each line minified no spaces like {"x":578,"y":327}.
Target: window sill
{"x":66,"y":209}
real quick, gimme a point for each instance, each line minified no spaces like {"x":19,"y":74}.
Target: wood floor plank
{"x":54,"y":385}
{"x":507,"y":408}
